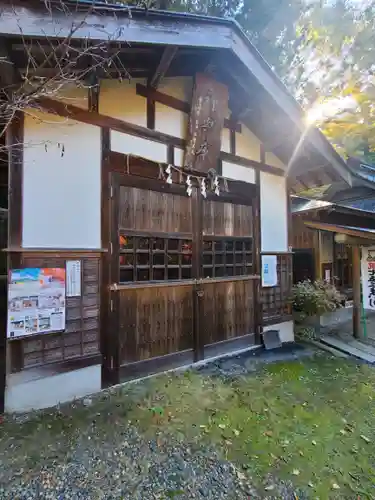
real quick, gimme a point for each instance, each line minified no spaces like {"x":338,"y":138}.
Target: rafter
{"x":163,"y":66}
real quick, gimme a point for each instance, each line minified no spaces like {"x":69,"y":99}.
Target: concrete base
{"x":286,"y":330}
{"x":24,"y":395}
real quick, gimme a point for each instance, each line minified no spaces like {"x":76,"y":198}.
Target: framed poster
{"x":269,"y":270}
{"x":36,"y":301}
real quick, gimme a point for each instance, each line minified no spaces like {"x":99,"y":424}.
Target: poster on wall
{"x":36,"y":301}
{"x":368,"y":277}
{"x":269,"y":270}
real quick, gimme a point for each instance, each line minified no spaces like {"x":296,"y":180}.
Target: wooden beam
{"x":239,"y":160}
{"x":178,"y":104}
{"x":93,"y":95}
{"x":92,"y":118}
{"x":150,"y":113}
{"x":356,"y":269}
{"x":8,"y":73}
{"x":82,"y":115}
{"x":14,"y":142}
{"x":165,"y":61}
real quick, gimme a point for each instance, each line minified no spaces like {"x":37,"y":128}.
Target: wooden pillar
{"x":356,"y":256}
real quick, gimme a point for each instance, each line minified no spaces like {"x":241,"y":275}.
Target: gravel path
{"x":128,"y":468}
{"x":89,"y":450}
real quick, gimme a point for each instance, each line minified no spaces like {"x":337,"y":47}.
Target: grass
{"x":311,"y":423}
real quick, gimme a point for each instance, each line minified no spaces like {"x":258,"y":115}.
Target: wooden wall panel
{"x":155,"y":321}
{"x":276,"y":300}
{"x":302,"y":236}
{"x":226,"y":219}
{"x":153,"y":211}
{"x":81,"y":336}
{"x":227,"y":310}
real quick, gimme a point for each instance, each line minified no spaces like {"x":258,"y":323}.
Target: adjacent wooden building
{"x":168,"y":189}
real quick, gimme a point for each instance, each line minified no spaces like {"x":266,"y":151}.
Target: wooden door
{"x":153,"y":275}
{"x":182,"y":275}
{"x":228,"y":284}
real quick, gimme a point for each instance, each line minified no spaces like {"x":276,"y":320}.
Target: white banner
{"x":368,"y":277}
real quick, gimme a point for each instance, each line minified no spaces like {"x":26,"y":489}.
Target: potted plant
{"x":315,"y":305}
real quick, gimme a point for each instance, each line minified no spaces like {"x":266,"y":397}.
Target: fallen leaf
{"x":270,"y":487}
{"x":268,"y":433}
{"x":335,"y":486}
{"x":241,"y":476}
{"x":301,"y":453}
{"x":365,"y":438}
{"x":313,"y":442}
{"x":296,"y":472}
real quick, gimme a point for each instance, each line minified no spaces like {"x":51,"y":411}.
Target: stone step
{"x":347,"y":348}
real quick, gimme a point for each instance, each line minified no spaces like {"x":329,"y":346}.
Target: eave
{"x":271,"y":110}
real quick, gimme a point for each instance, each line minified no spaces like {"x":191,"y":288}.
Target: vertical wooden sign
{"x":206,"y":121}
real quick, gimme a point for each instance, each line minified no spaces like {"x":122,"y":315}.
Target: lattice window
{"x":227,"y":257}
{"x":154,"y":259}
{"x":276,"y":300}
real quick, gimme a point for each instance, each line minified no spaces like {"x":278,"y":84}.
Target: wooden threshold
{"x":226,"y":346}
{"x":152,"y":366}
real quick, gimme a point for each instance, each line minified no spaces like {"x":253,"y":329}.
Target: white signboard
{"x":73,"y":278}
{"x":36,"y":301}
{"x":269,"y":270}
{"x":368,"y":277}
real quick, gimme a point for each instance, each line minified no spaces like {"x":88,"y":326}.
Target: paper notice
{"x":73,"y":278}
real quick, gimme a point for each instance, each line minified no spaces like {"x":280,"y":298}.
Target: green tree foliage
{"x":322,"y":49}
{"x":333,"y":68}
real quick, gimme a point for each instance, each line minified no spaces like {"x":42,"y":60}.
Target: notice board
{"x":36,"y":301}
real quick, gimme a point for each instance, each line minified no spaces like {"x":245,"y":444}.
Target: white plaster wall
{"x":286,"y":330}
{"x":51,"y":390}
{"x":171,"y":121}
{"x":73,"y":94}
{"x":274,"y":161}
{"x":179,"y":157}
{"x":225,"y":140}
{"x":178,"y":87}
{"x":129,"y":144}
{"x":238,"y":172}
{"x":120,"y":100}
{"x":247,"y":144}
{"x":61,"y":191}
{"x":273,"y":211}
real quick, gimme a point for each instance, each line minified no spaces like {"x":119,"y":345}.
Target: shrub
{"x":315,"y":298}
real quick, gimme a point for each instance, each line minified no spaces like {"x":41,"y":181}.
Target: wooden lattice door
{"x":228,"y":284}
{"x":182,"y":274}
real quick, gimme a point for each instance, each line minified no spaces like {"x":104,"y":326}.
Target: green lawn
{"x":309,"y":422}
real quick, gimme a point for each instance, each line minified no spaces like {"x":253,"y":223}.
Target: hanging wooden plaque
{"x":208,"y":111}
